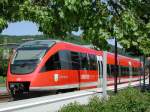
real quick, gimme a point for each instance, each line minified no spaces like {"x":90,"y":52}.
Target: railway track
{"x":5,"y":98}
{"x":55,"y":102}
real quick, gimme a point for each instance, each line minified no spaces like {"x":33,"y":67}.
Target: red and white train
{"x":55,"y":65}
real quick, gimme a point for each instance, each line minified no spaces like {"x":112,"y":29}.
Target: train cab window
{"x":93,"y":62}
{"x":65,"y":60}
{"x":75,"y":59}
{"x":53,"y":63}
{"x":84,"y":61}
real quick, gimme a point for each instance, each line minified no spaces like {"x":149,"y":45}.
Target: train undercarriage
{"x":19,"y":89}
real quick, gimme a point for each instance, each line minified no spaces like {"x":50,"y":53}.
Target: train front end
{"x":23,"y":66}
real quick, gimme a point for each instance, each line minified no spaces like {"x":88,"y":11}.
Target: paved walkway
{"x":53,"y":103}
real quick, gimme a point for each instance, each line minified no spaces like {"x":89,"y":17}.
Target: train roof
{"x":121,"y":56}
{"x":38,"y":43}
{"x":49,"y":43}
{"x":123,"y":60}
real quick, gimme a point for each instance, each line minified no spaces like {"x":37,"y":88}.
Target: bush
{"x":95,"y":105}
{"x":128,"y":100}
{"x":73,"y":107}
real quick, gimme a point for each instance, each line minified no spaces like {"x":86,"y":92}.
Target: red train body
{"x":55,"y":65}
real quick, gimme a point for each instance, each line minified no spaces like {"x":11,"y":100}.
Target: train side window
{"x":137,"y":71}
{"x":65,"y":59}
{"x":127,"y":70}
{"x":93,"y":62}
{"x":84,"y":61}
{"x":124,"y":71}
{"x":53,"y":63}
{"x":108,"y":70}
{"x":75,"y":59}
{"x":133,"y":71}
{"x":121,"y":70}
{"x":113,"y":69}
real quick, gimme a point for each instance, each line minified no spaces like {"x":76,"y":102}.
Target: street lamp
{"x":116,"y":66}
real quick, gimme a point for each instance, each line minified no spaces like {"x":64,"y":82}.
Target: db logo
{"x":56,"y":77}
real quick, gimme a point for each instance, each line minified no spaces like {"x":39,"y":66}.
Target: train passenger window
{"x":127,"y":70}
{"x":93,"y":62}
{"x":108,"y":70}
{"x":121,"y":67}
{"x":84,"y":61}
{"x":136,"y":71}
{"x":133,"y":71}
{"x":75,"y":59}
{"x":65,"y":59}
{"x":113,"y":69}
{"x":53,"y":63}
{"x":123,"y":72}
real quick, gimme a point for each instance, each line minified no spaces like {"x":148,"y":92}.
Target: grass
{"x":127,"y":100}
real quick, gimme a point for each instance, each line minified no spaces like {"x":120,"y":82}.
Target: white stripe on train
{"x":86,"y":84}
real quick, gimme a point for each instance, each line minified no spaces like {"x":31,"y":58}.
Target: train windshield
{"x":28,"y":55}
{"x":26,"y":60}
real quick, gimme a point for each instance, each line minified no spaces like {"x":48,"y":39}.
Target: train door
{"x":84,"y":80}
{"x":119,"y":74}
{"x":100,"y":70}
{"x":76,"y":65}
{"x":130,"y":72}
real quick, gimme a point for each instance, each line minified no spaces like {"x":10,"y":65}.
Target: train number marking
{"x":85,"y":76}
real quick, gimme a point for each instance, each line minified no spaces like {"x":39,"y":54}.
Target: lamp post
{"x":144,"y":72}
{"x":116,"y":67}
{"x":149,"y":74}
{"x":148,"y":59}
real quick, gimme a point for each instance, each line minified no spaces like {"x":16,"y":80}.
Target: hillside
{"x":20,"y":39}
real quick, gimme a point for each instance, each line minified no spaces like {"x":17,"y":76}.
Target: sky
{"x":21,"y":28}
{"x":30,"y":28}
{"x":26,"y":28}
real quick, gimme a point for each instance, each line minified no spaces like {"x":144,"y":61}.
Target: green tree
{"x":134,"y":20}
{"x":127,"y":20}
